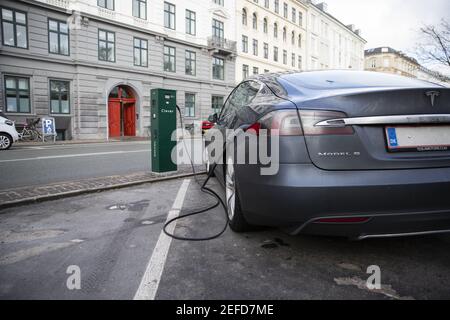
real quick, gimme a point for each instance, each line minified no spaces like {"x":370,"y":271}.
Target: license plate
{"x":418,"y":138}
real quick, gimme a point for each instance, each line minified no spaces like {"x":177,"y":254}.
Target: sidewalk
{"x":73,"y":142}
{"x":26,"y":195}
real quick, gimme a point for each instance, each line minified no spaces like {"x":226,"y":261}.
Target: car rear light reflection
{"x":343,"y":220}
{"x":254,"y":128}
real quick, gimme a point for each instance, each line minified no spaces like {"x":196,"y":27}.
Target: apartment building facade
{"x":283,"y":35}
{"x":91,"y":64}
{"x":332,"y":44}
{"x":271,"y":36}
{"x":389,"y":60}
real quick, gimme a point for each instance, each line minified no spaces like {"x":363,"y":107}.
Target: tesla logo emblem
{"x":432,"y":95}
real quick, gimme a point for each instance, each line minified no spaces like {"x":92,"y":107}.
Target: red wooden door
{"x":129,"y":119}
{"x":114,"y":118}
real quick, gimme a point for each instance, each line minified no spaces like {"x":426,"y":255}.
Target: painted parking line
{"x":75,"y":155}
{"x":152,"y":276}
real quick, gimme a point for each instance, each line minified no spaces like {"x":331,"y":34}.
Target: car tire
{"x":236,"y":218}
{"x":5,"y":141}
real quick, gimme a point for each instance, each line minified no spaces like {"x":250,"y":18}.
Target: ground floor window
{"x":189,"y":105}
{"x":17,"y":91}
{"x":59,"y":97}
{"x":216,"y":103}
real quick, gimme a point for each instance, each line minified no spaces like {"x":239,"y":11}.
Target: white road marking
{"x":75,"y":155}
{"x":152,"y":276}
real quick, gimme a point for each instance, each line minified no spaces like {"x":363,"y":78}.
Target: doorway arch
{"x":122,"y":112}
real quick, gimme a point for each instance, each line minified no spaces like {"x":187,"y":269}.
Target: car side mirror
{"x":213,"y":118}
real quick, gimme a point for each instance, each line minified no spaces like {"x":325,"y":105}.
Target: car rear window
{"x":321,"y":80}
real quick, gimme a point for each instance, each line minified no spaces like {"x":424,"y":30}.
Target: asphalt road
{"x":29,"y":166}
{"x":115,"y":239}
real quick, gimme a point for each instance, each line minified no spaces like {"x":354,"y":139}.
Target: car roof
{"x":291,"y":83}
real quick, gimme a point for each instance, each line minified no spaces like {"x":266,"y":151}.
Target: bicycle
{"x":28,"y":131}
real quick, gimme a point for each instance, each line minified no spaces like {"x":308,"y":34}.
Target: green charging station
{"x":163,"y":124}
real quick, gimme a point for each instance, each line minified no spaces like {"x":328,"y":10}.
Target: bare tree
{"x":435,"y":46}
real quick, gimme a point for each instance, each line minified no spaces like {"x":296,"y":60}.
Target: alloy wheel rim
{"x":230,"y":189}
{"x":4,"y":142}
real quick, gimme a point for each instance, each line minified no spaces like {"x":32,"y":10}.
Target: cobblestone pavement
{"x":24,"y":195}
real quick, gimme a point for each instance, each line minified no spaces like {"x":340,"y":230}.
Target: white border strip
{"x":152,"y":276}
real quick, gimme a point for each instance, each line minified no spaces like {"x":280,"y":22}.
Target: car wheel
{"x":5,"y":141}
{"x":236,"y":218}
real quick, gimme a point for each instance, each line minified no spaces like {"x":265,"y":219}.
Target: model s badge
{"x":433,"y":95}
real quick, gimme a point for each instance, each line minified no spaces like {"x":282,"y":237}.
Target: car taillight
{"x":287,"y":123}
{"x":311,"y":117}
{"x":282,"y":122}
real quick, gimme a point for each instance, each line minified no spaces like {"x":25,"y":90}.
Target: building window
{"x":285,"y":10}
{"x":293,"y":60}
{"x":300,"y":19}
{"x":275,"y":54}
{"x":219,"y":2}
{"x":58,"y":37}
{"x":266,"y":70}
{"x":140,"y":52}
{"x":277,"y":6}
{"x":284,"y":34}
{"x":14,"y":27}
{"x":266,"y":51}
{"x":189,"y":107}
{"x":255,"y":21}
{"x":244,"y":17}
{"x":244,"y":44}
{"x":190,"y":22}
{"x":255,"y":70}
{"x":294,"y":15}
{"x":255,"y":47}
{"x":299,"y":40}
{"x":265,"y":25}
{"x":106,"y":46}
{"x":140,"y":9}
{"x":217,"y":29}
{"x":191,"y":63}
{"x":169,"y":15}
{"x":266,"y":3}
{"x":275,"y":30}
{"x":300,"y":62}
{"x":218,"y":68}
{"x":17,"y":94}
{"x":216,"y":103}
{"x":245,"y":71}
{"x":169,"y":59}
{"x":293,"y":38}
{"x":107,"y":4}
{"x":59,"y":97}
{"x":284,"y":57}
{"x":374,"y":63}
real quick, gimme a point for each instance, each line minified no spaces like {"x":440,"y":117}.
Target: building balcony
{"x":222,"y":46}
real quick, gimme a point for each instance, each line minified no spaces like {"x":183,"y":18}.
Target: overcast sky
{"x":393,"y":23}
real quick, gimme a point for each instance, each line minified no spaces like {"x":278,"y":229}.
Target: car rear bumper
{"x":396,"y":202}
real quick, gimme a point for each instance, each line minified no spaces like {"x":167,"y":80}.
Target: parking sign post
{"x":48,"y":128}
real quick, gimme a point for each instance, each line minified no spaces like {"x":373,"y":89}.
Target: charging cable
{"x":204,"y":189}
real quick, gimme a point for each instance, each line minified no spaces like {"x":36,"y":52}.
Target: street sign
{"x":48,"y":128}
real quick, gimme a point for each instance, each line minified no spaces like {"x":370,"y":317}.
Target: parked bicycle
{"x":29,"y":131}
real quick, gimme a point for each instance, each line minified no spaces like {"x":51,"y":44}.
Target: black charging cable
{"x":204,"y":189}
